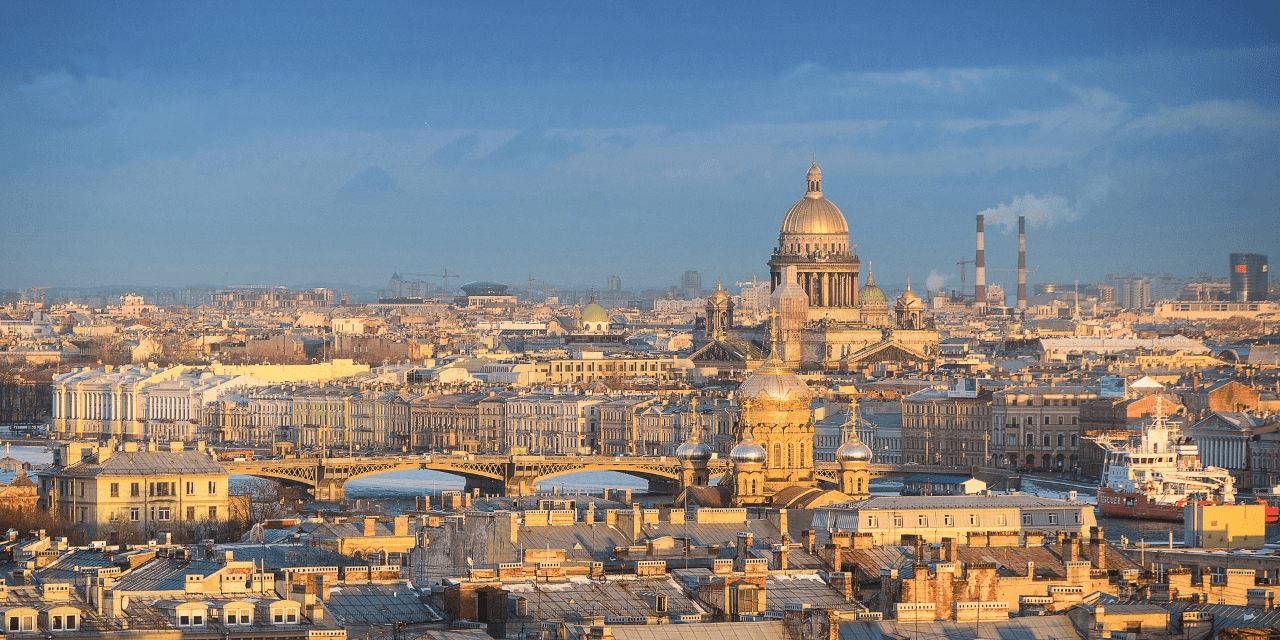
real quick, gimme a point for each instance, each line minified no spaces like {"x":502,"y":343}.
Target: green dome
{"x":870,"y":295}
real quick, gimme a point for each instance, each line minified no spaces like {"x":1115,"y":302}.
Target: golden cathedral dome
{"x":593,"y":312}
{"x":774,"y":382}
{"x":814,"y":214}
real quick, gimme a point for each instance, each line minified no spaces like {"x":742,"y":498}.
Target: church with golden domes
{"x":828,"y":319}
{"x":772,"y":460}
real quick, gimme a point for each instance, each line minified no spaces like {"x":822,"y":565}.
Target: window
{"x":213,"y":513}
{"x":133,"y":490}
{"x":1053,"y":518}
{"x":191,"y":488}
{"x":872,"y":522}
{"x":82,"y":488}
{"x":191,"y":513}
{"x":1075,"y":439}
{"x":922,"y":521}
{"x":946,"y":521}
{"x":1076,"y":517}
{"x":1047,"y":438}
{"x":1046,"y":419}
{"x":115,"y":490}
{"x":973,"y":519}
{"x":1000,"y":521}
{"x":1026,"y":518}
{"x":213,"y":487}
{"x":1062,"y":439}
{"x":162,"y":514}
{"x":84,"y":514}
{"x":22,"y":623}
{"x":134,"y":514}
{"x":897,"y":521}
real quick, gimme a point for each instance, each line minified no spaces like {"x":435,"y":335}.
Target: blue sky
{"x":176,"y":143}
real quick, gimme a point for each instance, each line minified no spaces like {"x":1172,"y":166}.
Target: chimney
{"x":980,"y":268}
{"x":370,"y":522}
{"x":402,"y":525}
{"x":1022,"y":262}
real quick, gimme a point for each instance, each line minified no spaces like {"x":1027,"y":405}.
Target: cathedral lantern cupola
{"x":719,"y":312}
{"x":909,"y":309}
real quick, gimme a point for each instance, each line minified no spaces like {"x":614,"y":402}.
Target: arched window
{"x":1062,"y":439}
{"x":1075,"y":439}
{"x":791,"y":455}
{"x":1060,"y":419}
{"x":777,"y":455}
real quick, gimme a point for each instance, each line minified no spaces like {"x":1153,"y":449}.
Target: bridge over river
{"x":515,"y":475}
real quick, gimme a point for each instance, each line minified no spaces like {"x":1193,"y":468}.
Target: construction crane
{"x":38,"y":292}
{"x":755,"y":294}
{"x":962,"y":263}
{"x":529,"y":284}
{"x":445,"y":276}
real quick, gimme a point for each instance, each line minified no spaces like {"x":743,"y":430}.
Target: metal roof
{"x":145,"y":463}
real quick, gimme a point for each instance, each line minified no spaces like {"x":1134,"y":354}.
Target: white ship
{"x":1155,"y":475}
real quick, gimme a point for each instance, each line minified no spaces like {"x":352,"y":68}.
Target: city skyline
{"x":168,"y":145}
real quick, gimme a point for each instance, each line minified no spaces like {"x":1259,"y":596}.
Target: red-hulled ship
{"x":1154,"y":476}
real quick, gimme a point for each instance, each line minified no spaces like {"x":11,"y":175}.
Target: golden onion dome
{"x":814,"y":214}
{"x":870,"y":295}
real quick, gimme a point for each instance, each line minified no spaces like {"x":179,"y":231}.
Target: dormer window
{"x":67,"y":622}
{"x":238,"y":614}
{"x":191,"y":616}
{"x":284,"y":614}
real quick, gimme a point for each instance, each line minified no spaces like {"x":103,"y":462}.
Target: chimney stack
{"x":1022,"y":262}
{"x":980,"y":268}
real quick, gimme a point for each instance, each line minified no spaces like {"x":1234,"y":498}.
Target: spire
{"x":908,"y":283}
{"x":871,"y":277}
{"x":774,"y":345}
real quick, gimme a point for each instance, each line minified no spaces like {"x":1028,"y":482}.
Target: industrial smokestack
{"x":980,"y":268}
{"x":1022,"y":262}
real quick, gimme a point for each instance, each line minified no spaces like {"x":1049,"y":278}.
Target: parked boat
{"x":1156,"y":474}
